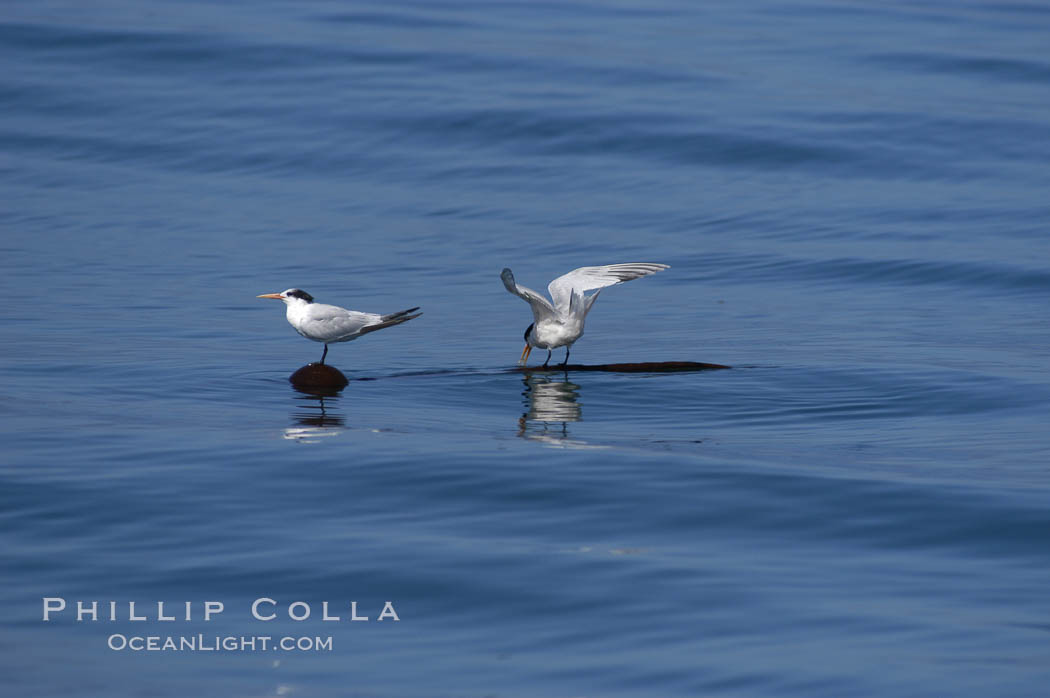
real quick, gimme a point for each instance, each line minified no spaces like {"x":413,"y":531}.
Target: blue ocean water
{"x":852,"y":197}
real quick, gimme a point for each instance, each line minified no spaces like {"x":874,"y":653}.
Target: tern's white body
{"x":560,"y":323}
{"x":330,"y":324}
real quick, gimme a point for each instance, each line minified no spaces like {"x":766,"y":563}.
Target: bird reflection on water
{"x":314,"y":419}
{"x":550,"y":402}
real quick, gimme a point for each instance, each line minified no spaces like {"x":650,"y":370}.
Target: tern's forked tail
{"x":394,"y":316}
{"x":391,"y":320}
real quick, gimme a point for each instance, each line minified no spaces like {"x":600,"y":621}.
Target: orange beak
{"x":525,"y":354}
{"x":271,"y":295}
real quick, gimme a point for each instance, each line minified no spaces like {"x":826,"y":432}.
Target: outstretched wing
{"x":541,"y":307}
{"x":590,"y":278}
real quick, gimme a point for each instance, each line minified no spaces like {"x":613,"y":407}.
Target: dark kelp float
{"x":326,"y":380}
{"x":643,"y":367}
{"x":318,"y":379}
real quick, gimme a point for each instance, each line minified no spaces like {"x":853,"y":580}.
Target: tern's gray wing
{"x":590,"y":278}
{"x":541,"y":307}
{"x":339,"y":324}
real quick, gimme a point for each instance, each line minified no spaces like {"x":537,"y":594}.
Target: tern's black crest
{"x":527,"y":330}
{"x":299,"y":293}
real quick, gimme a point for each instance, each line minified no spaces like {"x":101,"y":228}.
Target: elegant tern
{"x":560,"y":324}
{"x":330,"y":323}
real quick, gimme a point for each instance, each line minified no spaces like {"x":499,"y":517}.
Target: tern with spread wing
{"x":560,"y":323}
{"x":330,"y":323}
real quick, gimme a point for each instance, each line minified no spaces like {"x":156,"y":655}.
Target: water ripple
{"x":971,"y":277}
{"x":985,"y":67}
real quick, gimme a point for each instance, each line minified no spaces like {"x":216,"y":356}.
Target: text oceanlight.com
{"x":217,"y":643}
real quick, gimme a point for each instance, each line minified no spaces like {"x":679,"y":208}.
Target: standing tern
{"x":560,"y":324}
{"x":330,"y":323}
